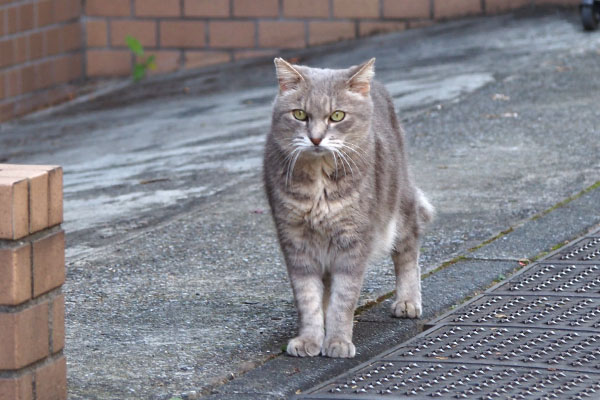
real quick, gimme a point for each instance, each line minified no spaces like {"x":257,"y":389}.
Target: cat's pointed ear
{"x":362,"y":75}
{"x":288,"y":76}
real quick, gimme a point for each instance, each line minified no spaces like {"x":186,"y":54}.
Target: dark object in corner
{"x":590,"y":14}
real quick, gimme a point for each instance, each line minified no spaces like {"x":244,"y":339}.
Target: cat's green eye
{"x":300,"y":115}
{"x":337,"y":116}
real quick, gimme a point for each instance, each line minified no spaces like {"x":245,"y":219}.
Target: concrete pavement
{"x":175,"y":283}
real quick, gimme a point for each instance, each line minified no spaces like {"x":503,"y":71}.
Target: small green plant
{"x":143,"y":63}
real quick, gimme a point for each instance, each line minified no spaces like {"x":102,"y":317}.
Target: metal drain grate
{"x":547,"y":311}
{"x":584,"y":250}
{"x":556,"y":279}
{"x":424,"y":380}
{"x":535,"y":336}
{"x":540,"y":348}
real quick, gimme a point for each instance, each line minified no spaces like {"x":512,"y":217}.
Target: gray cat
{"x":338,"y":185}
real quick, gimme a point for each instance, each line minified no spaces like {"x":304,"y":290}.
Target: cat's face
{"x":322,"y":111}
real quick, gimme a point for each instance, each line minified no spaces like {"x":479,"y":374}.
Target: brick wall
{"x":45,"y":44}
{"x":40,"y":53}
{"x":32,"y":271}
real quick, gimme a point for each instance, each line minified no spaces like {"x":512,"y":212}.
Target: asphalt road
{"x":175,"y":284}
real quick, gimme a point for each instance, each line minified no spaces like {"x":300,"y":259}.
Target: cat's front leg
{"x":308,"y":295}
{"x":345,"y":289}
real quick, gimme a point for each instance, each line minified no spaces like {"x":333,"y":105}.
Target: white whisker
{"x":349,"y":159}
{"x":344,"y":158}
{"x":289,"y":159}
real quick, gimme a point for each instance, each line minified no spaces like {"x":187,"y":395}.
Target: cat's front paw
{"x":303,"y":346}
{"x":406,"y":309}
{"x":338,"y":348}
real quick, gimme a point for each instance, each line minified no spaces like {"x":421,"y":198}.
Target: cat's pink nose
{"x":315,"y":141}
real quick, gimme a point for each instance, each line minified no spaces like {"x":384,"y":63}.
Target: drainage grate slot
{"x":556,"y":279}
{"x":546,"y":348}
{"x":582,"y":251}
{"x":526,"y":310}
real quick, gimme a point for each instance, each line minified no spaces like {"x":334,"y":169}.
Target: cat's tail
{"x":425,"y":211}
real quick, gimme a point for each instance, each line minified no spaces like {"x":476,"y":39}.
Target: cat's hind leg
{"x":308,"y":294}
{"x":405,"y":255}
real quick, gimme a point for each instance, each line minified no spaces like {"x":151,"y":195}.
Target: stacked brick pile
{"x":32,"y":271}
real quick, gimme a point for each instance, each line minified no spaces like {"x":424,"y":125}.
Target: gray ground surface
{"x":175,"y":282}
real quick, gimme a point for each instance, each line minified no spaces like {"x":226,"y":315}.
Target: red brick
{"x":406,"y":9}
{"x":455,"y":8}
{"x":21,"y":49}
{"x":36,"y":46}
{"x":51,"y":380}
{"x":71,"y":37}
{"x":558,"y":2}
{"x":26,"y":21}
{"x":306,"y":8}
{"x":182,"y":34}
{"x":48,"y":262}
{"x":7,"y":111}
{"x":44,"y":72}
{"x":65,"y":10}
{"x":67,"y":69}
{"x":55,"y":179}
{"x":108,"y":63}
{"x":14,"y":82}
{"x":231,"y":34}
{"x":144,"y":31}
{"x":256,"y":8}
{"x":108,"y":8}
{"x":197,"y":59}
{"x":58,"y":324}
{"x":36,"y":180}
{"x":245,"y":54}
{"x":356,"y":8}
{"x":45,"y":13}
{"x":2,"y":12}
{"x":494,"y":6}
{"x":2,"y":91}
{"x":97,"y":33}
{"x":23,"y":337}
{"x":157,"y":8}
{"x":206,"y":8}
{"x":6,"y":53}
{"x":28,"y":85}
{"x":328,"y":32}
{"x":366,"y":28}
{"x":14,"y":208}
{"x":53,"y":41}
{"x":282,"y":34}
{"x":12,"y":19}
{"x":18,"y":388}
{"x":15,"y":269}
